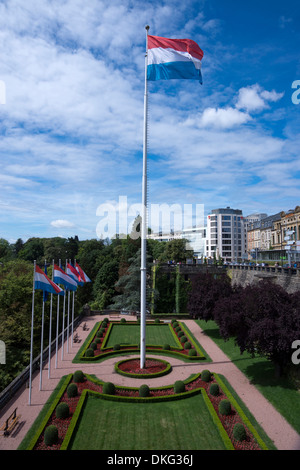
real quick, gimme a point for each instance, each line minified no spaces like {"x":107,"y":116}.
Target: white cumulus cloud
{"x":60,"y":223}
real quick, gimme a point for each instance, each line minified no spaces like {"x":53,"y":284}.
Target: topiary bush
{"x":206,"y":375}
{"x":78,"y":376}
{"x":225,"y":407}
{"x":192,"y":352}
{"x":99,"y":334}
{"x":97,"y":340}
{"x":51,"y":435}
{"x":166,"y":347}
{"x":239,"y":432}
{"x":183,"y":339}
{"x":177,"y":329}
{"x":179,"y":386}
{"x":144,"y":391}
{"x":157,"y":320}
{"x":123,"y":320}
{"x":187,"y":345}
{"x":62,"y":410}
{"x":72,"y":390}
{"x":180,"y":333}
{"x":89,"y":352}
{"x":214,"y":390}
{"x":116,"y":347}
{"x":109,"y":388}
{"x":93,"y":346}
{"x":175,"y":324}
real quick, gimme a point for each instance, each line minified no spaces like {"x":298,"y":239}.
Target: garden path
{"x":275,"y":426}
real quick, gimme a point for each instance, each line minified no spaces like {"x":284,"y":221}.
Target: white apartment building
{"x":196,"y":237}
{"x":226,"y":235}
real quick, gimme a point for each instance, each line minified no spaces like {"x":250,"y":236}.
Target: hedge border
{"x":161,"y":373}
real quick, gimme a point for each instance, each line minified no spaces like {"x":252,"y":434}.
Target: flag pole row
{"x":62,"y":282}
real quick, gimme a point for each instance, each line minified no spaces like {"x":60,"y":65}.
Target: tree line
{"x":263,"y":318}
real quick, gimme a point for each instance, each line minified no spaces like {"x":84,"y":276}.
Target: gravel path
{"x":275,"y":426}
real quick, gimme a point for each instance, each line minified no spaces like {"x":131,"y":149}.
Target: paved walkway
{"x":275,"y":426}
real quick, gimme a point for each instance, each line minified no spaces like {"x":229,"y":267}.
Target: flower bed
{"x":153,"y":368}
{"x":195,"y":384}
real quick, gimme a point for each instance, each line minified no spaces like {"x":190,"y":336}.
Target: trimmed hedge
{"x":109,"y":388}
{"x":72,"y":390}
{"x":239,"y":432}
{"x":51,"y":435}
{"x":78,"y":376}
{"x":225,"y":407}
{"x":179,"y":386}
{"x":144,"y":391}
{"x":214,"y":390}
{"x":62,"y":410}
{"x":206,"y":375}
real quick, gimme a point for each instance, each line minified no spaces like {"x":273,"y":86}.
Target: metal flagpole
{"x":42,"y":340}
{"x":144,"y":220}
{"x":63,"y":323}
{"x":73,"y":306}
{"x":50,"y":325}
{"x":31,"y":340}
{"x":57,"y":326}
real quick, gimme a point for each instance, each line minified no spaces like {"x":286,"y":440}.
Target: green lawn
{"x":174,"y":425}
{"x":157,"y":335}
{"x":280,"y":392}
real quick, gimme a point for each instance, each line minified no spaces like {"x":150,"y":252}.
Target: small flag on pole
{"x":81,"y":273}
{"x":60,"y":277}
{"x":72,"y":272}
{"x":173,"y":58}
{"x":42,"y":281}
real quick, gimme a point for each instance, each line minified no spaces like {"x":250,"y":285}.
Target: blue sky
{"x":71,"y":126}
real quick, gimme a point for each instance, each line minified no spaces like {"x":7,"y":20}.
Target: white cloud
{"x":254,"y":98}
{"x":60,"y":223}
{"x":223,"y":118}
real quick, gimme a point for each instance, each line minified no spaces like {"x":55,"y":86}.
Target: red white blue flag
{"x":82,"y":274}
{"x":74,"y":274}
{"x":42,"y":282}
{"x":173,"y":58}
{"x":60,"y":277}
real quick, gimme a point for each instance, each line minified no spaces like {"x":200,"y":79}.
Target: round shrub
{"x":166,"y":346}
{"x":183,"y":339}
{"x":180,"y":333}
{"x":179,"y":386}
{"x":97,"y":340}
{"x":225,"y":407}
{"x":206,"y":375}
{"x":177,"y":329}
{"x":214,"y":390}
{"x":89,"y":352}
{"x":157,"y":320}
{"x":116,"y":347}
{"x":123,"y":320}
{"x":51,"y":435}
{"x":175,"y":324}
{"x":192,"y":352}
{"x":93,"y":346}
{"x":106,"y":320}
{"x":99,"y":334}
{"x":239,"y":432}
{"x":62,"y":410}
{"x":144,"y":391}
{"x":78,"y":376}
{"x":173,"y":321}
{"x":109,"y":388}
{"x":72,"y":390}
{"x":187,"y":345}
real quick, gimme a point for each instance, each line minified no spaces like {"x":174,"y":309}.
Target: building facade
{"x":225,"y":235}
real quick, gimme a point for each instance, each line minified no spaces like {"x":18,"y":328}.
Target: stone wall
{"x":288,"y":278}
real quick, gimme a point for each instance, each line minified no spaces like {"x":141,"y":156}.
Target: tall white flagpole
{"x":31,"y":340}
{"x":73,"y":306}
{"x":63,"y":323}
{"x":50,"y":325}
{"x":144,"y":219}
{"x":42,"y":341}
{"x":57,"y":327}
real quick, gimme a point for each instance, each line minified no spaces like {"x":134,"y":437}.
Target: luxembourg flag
{"x":72,"y":272}
{"x":41,"y":281}
{"x":82,"y":274}
{"x":60,"y":277}
{"x":173,"y":58}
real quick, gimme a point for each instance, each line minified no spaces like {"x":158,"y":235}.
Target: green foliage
{"x":179,"y":386}
{"x":206,"y":375}
{"x":144,"y":391}
{"x":62,"y":410}
{"x":51,"y":435}
{"x":93,"y":346}
{"x":225,"y":407}
{"x":89,"y":352}
{"x":180,"y":333}
{"x":123,"y":320}
{"x":214,"y":389}
{"x":239,"y":432}
{"x":192,"y":352}
{"x":72,"y":390}
{"x":166,"y":347}
{"x":109,"y":388}
{"x":78,"y":376}
{"x":183,"y":339}
{"x":187,"y":345}
{"x":116,"y":347}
